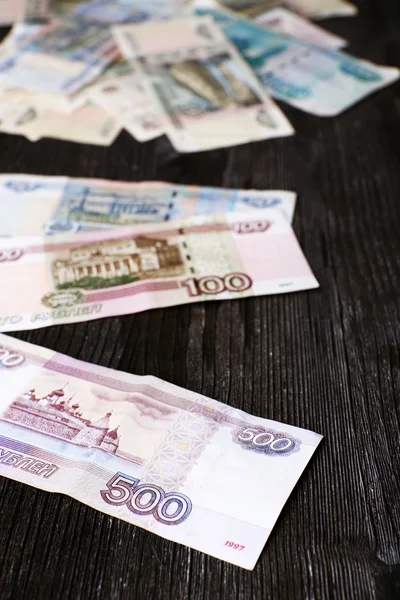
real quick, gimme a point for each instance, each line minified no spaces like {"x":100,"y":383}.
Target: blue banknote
{"x":38,"y":205}
{"x":317,"y":80}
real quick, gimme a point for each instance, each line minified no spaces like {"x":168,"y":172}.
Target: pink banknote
{"x":187,"y":468}
{"x":80,"y":277}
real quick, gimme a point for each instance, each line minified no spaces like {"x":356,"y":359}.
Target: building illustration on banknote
{"x":58,"y":416}
{"x":200,"y":86}
{"x":91,"y":208}
{"x":214,"y":81}
{"x":116,"y":262}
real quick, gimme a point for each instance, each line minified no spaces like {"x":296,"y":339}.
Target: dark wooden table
{"x":327,"y":360}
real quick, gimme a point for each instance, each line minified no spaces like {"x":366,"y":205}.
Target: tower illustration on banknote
{"x":60,"y":416}
{"x":69,"y":412}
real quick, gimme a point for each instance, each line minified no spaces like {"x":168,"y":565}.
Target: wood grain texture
{"x":327,"y":360}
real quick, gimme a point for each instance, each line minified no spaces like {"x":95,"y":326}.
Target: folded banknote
{"x":89,"y":124}
{"x":62,"y":57}
{"x":20,"y":34}
{"x":183,"y":466}
{"x":73,"y":278}
{"x":34,"y":205}
{"x":207,"y":94}
{"x":316,"y":79}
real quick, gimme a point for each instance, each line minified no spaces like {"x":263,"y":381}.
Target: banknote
{"x":35,"y":103}
{"x":19,"y":34}
{"x":242,"y":5}
{"x":322,"y":9}
{"x":315,"y":79}
{"x":207,"y":94}
{"x":313,"y":9}
{"x":89,"y":124}
{"x":33,"y":205}
{"x":120,"y":11}
{"x":176,"y":463}
{"x":74,"y":278}
{"x":62,"y":57}
{"x":12,"y":107}
{"x":17,"y":10}
{"x":287,"y":22}
{"x":36,"y":10}
{"x":119,"y":68}
{"x":128,"y":100}
{"x":195,"y":200}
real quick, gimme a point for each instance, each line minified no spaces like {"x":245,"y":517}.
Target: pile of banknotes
{"x":169,"y":460}
{"x":199,"y":72}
